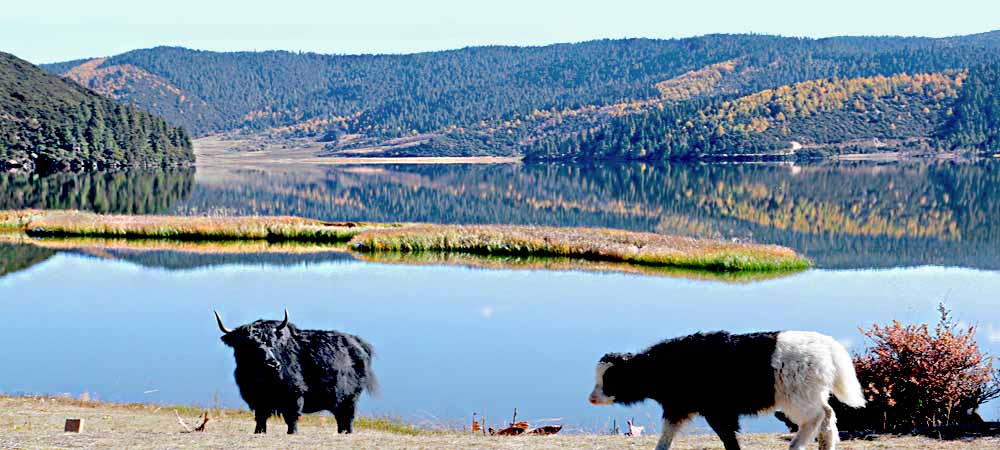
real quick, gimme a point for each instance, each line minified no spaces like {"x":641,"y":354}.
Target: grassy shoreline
{"x":195,"y":228}
{"x":593,"y":244}
{"x":37,"y":422}
{"x":586,"y":244}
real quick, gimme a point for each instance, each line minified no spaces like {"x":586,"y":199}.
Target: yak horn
{"x":284,"y":323}
{"x":221,"y":326}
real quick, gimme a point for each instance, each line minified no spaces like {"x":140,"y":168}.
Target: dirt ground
{"x":37,"y":423}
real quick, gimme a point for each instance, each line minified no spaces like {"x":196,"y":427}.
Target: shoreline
{"x":257,"y":151}
{"x":214,"y":151}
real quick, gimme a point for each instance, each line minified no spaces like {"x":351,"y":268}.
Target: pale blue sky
{"x":55,"y":30}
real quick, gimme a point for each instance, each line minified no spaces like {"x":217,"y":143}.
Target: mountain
{"x":47,"y":122}
{"x":975,"y":120}
{"x":837,"y":115}
{"x":536,"y":101}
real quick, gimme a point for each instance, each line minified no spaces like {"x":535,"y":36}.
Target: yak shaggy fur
{"x":723,"y":376}
{"x":286,"y":371}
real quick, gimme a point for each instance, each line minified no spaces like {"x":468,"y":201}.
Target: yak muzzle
{"x":270,"y":360}
{"x":597,"y":398}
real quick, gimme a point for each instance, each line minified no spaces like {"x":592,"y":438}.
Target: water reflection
{"x":16,"y":257}
{"x":176,"y":255}
{"x":121,"y":192}
{"x":843,"y":215}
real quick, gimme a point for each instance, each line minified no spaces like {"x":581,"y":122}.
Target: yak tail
{"x":371,"y":381}
{"x":846,"y":387}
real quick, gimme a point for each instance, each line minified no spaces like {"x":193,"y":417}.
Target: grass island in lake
{"x":568,"y":244}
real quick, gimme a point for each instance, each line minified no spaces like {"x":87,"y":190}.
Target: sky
{"x":45,"y":31}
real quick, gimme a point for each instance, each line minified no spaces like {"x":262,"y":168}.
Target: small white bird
{"x":634,"y":430}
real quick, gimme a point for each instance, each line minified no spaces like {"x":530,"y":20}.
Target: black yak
{"x":282,"y":370}
{"x":723,"y":376}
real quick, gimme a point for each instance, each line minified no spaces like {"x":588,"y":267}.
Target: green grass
{"x":593,"y":244}
{"x":16,"y":220}
{"x":387,"y":424}
{"x":578,"y":244}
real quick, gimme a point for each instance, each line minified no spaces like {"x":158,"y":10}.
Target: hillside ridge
{"x":50,"y":123}
{"x":492,"y":100}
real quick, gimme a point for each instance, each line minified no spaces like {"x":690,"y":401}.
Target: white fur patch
{"x":597,"y":397}
{"x":808,"y":367}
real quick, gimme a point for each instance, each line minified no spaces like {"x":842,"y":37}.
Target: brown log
{"x":511,"y":431}
{"x":546,"y":430}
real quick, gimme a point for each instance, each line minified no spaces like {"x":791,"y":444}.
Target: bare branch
{"x":187,"y":429}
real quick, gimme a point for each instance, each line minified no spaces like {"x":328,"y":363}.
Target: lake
{"x":890,"y":241}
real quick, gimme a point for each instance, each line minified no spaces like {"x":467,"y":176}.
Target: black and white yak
{"x":723,"y":376}
{"x":282,"y":370}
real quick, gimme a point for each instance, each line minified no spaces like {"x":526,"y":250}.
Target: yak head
{"x":613,"y":382}
{"x":259,"y":345}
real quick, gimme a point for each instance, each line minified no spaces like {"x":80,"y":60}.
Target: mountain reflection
{"x":844,"y":215}
{"x":120,"y":192}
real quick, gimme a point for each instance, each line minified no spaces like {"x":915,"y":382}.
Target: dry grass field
{"x":32,"y":423}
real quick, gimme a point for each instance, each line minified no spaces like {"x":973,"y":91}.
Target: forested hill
{"x":47,"y":122}
{"x":547,"y":101}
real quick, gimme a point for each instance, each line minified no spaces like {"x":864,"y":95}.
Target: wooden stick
{"x":187,"y":429}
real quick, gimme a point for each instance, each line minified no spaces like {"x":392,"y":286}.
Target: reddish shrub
{"x":915,"y":377}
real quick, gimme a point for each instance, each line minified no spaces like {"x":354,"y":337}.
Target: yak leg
{"x":345,"y":415}
{"x":828,"y":434}
{"x":807,"y":433}
{"x":670,"y":429}
{"x":292,"y":415}
{"x":726,"y":426}
{"x":261,"y":416}
{"x":292,"y":420}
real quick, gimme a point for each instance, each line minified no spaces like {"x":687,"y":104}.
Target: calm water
{"x":850,"y":215}
{"x":891,"y":241}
